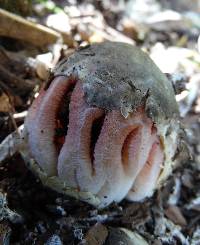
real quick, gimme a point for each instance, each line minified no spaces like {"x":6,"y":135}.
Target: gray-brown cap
{"x":120,"y":76}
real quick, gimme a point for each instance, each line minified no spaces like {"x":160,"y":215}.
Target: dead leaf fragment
{"x":96,"y":235}
{"x":175,"y":215}
{"x":4,"y":103}
{"x":136,"y":214}
{"x":119,"y":236}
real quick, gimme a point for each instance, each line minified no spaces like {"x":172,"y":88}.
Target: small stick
{"x":12,"y":25}
{"x":10,"y":145}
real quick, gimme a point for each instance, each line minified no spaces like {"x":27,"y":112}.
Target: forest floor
{"x":169,"y":31}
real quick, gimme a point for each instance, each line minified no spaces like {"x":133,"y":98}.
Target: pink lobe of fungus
{"x":41,"y":124}
{"x":100,"y":151}
{"x":75,"y":165}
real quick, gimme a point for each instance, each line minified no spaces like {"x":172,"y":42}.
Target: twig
{"x":82,"y":16}
{"x":20,"y":116}
{"x":10,"y":145}
{"x":12,"y":25}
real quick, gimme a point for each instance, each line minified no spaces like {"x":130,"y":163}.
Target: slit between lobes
{"x":62,"y":116}
{"x":94,"y":135}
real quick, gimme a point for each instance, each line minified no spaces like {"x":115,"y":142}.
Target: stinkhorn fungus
{"x":105,"y":126}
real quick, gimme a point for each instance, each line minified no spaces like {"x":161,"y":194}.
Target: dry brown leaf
{"x":5,"y":105}
{"x":175,"y":215}
{"x":96,"y":235}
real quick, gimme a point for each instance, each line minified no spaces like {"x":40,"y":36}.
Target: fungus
{"x":106,"y":123}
